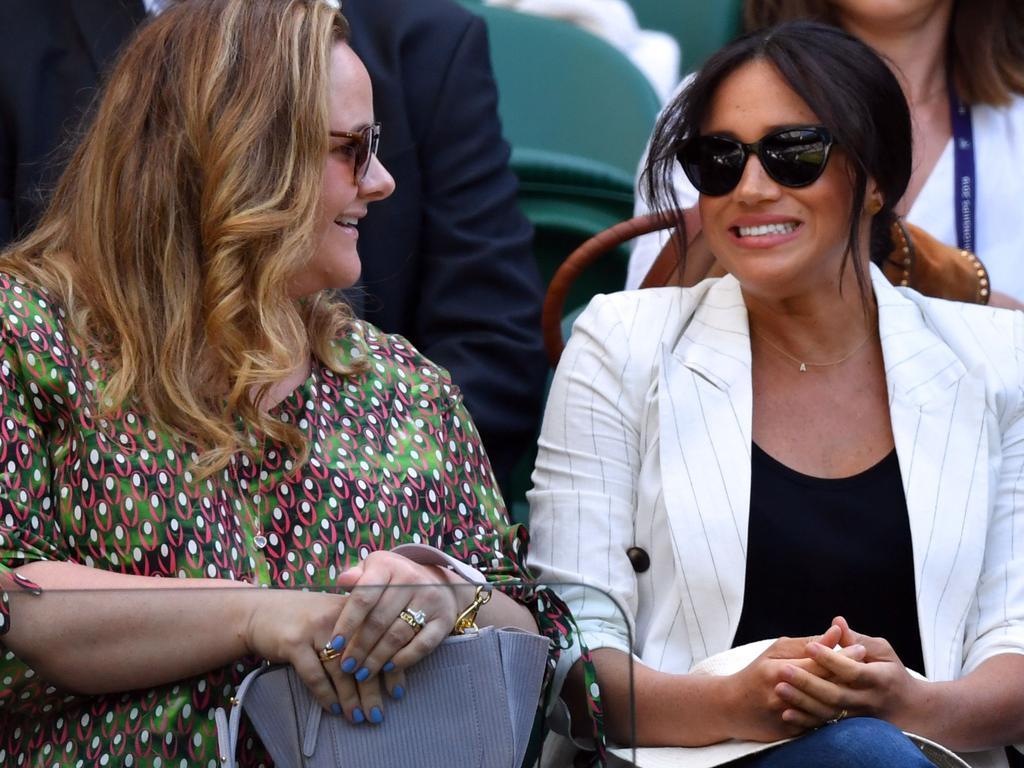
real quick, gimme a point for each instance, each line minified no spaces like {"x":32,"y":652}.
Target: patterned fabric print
{"x":394,"y":458}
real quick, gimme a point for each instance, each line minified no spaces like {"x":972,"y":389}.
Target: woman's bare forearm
{"x":670,"y":710}
{"x":982,"y":710}
{"x":93,"y":631}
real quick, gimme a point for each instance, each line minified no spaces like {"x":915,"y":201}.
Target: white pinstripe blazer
{"x":646,"y":442}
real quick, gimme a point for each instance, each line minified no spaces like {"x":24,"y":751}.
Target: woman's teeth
{"x":347,"y":222}
{"x":767,"y":229}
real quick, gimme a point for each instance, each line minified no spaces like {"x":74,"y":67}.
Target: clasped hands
{"x":802,"y":683}
{"x":348,"y":649}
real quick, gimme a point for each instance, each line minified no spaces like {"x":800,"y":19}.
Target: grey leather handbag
{"x":470,"y":703}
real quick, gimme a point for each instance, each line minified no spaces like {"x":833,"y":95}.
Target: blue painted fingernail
{"x":358,"y":716}
{"x":348,"y":665}
{"x":338,"y":642}
{"x":398,"y":692}
{"x":388,"y":667}
{"x":335,"y":708}
{"x":376,"y":716}
{"x":362,"y":674}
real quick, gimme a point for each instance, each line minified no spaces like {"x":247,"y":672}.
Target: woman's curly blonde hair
{"x":186,"y":211}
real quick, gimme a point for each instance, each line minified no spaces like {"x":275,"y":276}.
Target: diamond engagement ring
{"x":415,"y":619}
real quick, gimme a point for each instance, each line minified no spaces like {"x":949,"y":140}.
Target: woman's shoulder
{"x":989,"y":328}
{"x":33,"y":321}
{"x":1002,"y":116}
{"x":392,"y":360}
{"x":652,"y":314}
{"x":25,"y":307}
{"x":988,"y":341}
{"x":36,"y":351}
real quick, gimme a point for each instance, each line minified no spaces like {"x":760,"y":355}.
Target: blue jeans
{"x":859,"y":742}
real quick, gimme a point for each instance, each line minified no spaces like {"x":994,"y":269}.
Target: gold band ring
{"x":841,"y":715}
{"x":328,"y":653}
{"x":415,"y":619}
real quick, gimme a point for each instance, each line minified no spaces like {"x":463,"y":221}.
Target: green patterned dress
{"x":394,"y":458}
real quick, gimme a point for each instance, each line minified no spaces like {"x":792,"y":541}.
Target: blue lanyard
{"x":963,"y":169}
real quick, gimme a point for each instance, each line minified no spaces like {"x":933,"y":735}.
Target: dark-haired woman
{"x":961,"y":66}
{"x":796,"y":449}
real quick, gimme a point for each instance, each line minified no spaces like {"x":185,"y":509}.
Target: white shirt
{"x":998,"y":236}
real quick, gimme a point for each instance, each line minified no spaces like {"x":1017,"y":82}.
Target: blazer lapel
{"x":938,"y":413}
{"x":704,"y":406}
{"x":105,"y":25}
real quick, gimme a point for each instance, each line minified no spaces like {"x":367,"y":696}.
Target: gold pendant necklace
{"x":803,"y":365}
{"x":259,"y":537}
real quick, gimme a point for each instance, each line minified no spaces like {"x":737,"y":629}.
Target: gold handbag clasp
{"x":466,"y":622}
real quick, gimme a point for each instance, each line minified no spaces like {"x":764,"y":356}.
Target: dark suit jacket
{"x":446,"y":260}
{"x":52,"y":53}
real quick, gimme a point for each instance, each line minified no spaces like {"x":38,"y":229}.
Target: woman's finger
{"x":789,"y":648}
{"x":403,"y":630}
{"x":345,"y":691}
{"x":800,"y":719}
{"x":433,"y":606}
{"x":841,"y":666}
{"x":835,"y":697}
{"x":876,"y":647}
{"x":311,"y":671}
{"x":798,"y":699}
{"x":394,"y":680}
{"x":431,"y":636}
{"x":361,"y":600}
{"x":370,"y":700}
{"x":823,"y":690}
{"x":855,"y":652}
{"x":832,"y":636}
{"x":381,"y":621}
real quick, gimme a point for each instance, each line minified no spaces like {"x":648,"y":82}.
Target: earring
{"x":874,"y":205}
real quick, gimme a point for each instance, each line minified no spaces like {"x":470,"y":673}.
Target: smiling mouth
{"x":347,"y":221}
{"x":766,"y":229}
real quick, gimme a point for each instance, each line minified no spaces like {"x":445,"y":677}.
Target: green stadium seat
{"x":578,"y":114}
{"x":564,"y":90}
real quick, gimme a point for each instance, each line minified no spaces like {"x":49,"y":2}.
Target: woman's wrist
{"x":923,"y":708}
{"x":685,"y":710}
{"x":724,"y":703}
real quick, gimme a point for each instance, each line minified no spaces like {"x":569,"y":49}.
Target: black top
{"x":819,"y":548}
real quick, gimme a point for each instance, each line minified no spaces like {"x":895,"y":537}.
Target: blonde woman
{"x":181,"y":398}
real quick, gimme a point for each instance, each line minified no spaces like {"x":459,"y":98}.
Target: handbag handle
{"x":228,"y":722}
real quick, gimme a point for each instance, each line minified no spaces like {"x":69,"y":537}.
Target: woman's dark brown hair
{"x":849,"y":88}
{"x":986,"y":41}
